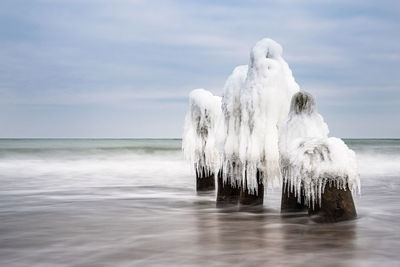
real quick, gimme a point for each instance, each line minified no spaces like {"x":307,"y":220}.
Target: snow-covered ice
{"x":265,"y":100}
{"x":229,"y":131}
{"x":200,"y":131}
{"x":309,"y":158}
{"x":250,"y":130}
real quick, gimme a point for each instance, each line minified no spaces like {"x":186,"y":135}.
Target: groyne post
{"x":289,"y":200}
{"x":252,"y":197}
{"x":336,"y":205}
{"x":227,"y":193}
{"x":204,"y":181}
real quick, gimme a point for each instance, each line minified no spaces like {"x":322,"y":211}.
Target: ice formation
{"x":309,"y":158}
{"x":200,"y":131}
{"x":230,"y":126}
{"x":265,"y":101}
{"x":249,"y":132}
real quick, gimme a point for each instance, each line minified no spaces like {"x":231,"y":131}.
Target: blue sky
{"x":118,"y":68}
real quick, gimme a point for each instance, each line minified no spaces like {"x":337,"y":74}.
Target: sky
{"x":124,"y":69}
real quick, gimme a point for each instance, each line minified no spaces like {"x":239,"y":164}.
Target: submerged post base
{"x":252,"y":197}
{"x":289,"y":202}
{"x":227,"y":194}
{"x":336,"y":205}
{"x":204,"y":181}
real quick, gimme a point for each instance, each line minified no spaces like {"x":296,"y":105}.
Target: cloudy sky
{"x":98,"y":68}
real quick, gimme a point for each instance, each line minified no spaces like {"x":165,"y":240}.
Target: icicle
{"x":265,"y":99}
{"x":200,"y":131}
{"x":313,"y":159}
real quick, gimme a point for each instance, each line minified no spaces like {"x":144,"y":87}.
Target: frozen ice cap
{"x":303,"y":102}
{"x":266,"y":48}
{"x":303,"y":121}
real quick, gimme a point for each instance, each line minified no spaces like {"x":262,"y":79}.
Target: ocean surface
{"x":93,"y":202}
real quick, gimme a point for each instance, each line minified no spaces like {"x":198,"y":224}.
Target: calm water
{"x":132,"y":202}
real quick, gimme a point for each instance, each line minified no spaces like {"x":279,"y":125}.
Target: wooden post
{"x":254,"y":197}
{"x":336,"y":205}
{"x":289,"y":202}
{"x":227,"y":194}
{"x":204,"y":181}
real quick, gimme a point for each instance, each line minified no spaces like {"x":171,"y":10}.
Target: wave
{"x":376,"y":157}
{"x":140,"y":163}
{"x":96,"y":171}
{"x":374,"y":165}
{"x":25,"y":148}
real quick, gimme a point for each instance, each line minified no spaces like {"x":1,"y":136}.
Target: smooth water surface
{"x":132,"y":202}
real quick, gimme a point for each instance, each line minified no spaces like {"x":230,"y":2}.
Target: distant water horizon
{"x":132,"y":201}
{"x":160,"y":138}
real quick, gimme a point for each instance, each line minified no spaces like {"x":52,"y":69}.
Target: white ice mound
{"x":265,"y":100}
{"x":309,"y":159}
{"x":230,"y":126}
{"x":303,"y":121}
{"x":199,"y":137}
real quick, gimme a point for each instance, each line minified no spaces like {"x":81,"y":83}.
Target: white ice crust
{"x":229,"y":128}
{"x":200,"y":131}
{"x":265,"y":101}
{"x":309,"y":158}
{"x":250,"y":131}
{"x":256,"y":99}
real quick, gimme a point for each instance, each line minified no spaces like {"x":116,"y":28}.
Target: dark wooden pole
{"x":227,"y":194}
{"x":252,"y":197}
{"x":289,"y":202}
{"x":336,"y":205}
{"x":204,"y":181}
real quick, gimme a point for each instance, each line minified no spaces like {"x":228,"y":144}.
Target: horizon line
{"x":159,"y":138}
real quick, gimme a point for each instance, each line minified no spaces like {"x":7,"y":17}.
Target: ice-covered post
{"x":302,"y":122}
{"x":229,"y":177}
{"x":317,"y":169}
{"x":199,"y":136}
{"x":265,"y":100}
{"x":330,"y":194}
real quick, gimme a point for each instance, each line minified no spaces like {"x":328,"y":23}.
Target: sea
{"x":132,"y":202}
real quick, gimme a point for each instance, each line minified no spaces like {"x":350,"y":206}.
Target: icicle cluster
{"x":309,"y":158}
{"x":250,"y":132}
{"x":265,"y":101}
{"x":256,"y":99}
{"x":230,"y":126}
{"x":200,"y":131}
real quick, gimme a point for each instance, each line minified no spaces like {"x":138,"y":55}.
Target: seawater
{"x":132,"y":202}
